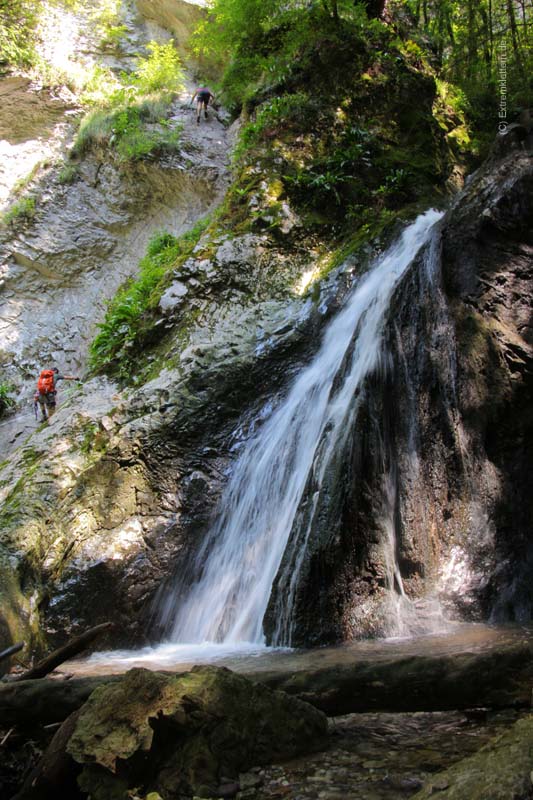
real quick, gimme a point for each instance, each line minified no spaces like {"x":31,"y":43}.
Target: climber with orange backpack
{"x":45,"y":396}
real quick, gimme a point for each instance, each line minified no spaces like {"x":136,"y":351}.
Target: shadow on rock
{"x":184,"y":735}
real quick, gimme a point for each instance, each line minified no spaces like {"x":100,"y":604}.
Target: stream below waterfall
{"x":462,"y":638}
{"x":368,"y":756}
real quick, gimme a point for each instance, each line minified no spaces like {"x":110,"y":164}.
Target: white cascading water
{"x":241,"y":555}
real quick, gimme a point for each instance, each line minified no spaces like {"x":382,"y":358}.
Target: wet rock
{"x":27,"y":112}
{"x":404,"y":783}
{"x":178,"y":16}
{"x":242,"y":251}
{"x":173,"y":297}
{"x":191,"y":730}
{"x":511,"y":138}
{"x":501,"y":770}
{"x":228,"y":789}
{"x":249,"y":780}
{"x":437,"y":452}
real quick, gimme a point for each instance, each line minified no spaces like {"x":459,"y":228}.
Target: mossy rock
{"x":185,"y":734}
{"x":501,"y":770}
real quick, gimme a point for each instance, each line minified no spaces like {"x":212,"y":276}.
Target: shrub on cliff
{"x":18,"y":19}
{"x":6,"y":401}
{"x":120,"y":337}
{"x":131,"y":115}
{"x":342,"y":117}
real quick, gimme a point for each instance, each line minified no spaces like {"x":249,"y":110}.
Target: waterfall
{"x":242,"y":553}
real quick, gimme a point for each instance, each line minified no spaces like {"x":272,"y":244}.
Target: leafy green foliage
{"x":477,"y":44}
{"x":349,"y":130}
{"x":18,"y":26}
{"x":18,"y":20}
{"x":126,"y":130}
{"x":261,"y":42}
{"x":133,"y":119}
{"x":6,"y":401}
{"x":68,"y":174}
{"x":338,"y":109}
{"x":23,"y":182}
{"x":128,"y":316}
{"x":108,"y":19}
{"x":23,"y":209}
{"x":287,"y":110}
{"x":334,"y":175}
{"x":160,"y":72}
{"x":113,"y":37}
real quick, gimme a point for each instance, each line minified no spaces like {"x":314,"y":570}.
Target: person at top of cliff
{"x":45,"y":396}
{"x":203,"y":97}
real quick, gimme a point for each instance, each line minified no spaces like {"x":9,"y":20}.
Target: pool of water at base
{"x":249,"y":657}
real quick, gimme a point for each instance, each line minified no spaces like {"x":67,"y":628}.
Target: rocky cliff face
{"x":59,"y":269}
{"x":430,"y":494}
{"x":426,"y":501}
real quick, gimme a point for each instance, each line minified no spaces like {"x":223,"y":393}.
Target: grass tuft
{"x":23,"y":209}
{"x":131,"y":116}
{"x":116,"y":346}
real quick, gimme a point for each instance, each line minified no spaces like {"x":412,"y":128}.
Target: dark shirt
{"x":203,"y":93}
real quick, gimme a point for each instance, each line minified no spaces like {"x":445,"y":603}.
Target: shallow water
{"x":244,"y":657}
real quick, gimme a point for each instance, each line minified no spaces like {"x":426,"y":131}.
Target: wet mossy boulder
{"x":186,"y":735}
{"x":501,"y":770}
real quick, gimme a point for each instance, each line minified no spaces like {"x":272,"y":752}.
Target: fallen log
{"x":68,"y":651}
{"x":55,"y":774}
{"x":45,"y":700}
{"x":497,"y":679}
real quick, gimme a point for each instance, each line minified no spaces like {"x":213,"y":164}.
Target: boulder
{"x":188,"y":734}
{"x":501,"y":770}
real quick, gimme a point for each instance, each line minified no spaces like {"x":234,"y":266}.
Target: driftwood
{"x":69,"y":650}
{"x":499,"y":679}
{"x":10,"y":651}
{"x":55,"y":774}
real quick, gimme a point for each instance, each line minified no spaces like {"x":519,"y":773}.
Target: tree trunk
{"x":514,"y":36}
{"x":472,"y":43}
{"x":498,"y":679}
{"x":487,"y":53}
{"x":425,"y":13}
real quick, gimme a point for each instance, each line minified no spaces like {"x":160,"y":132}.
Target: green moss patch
{"x":128,"y":325}
{"x":350,"y":131}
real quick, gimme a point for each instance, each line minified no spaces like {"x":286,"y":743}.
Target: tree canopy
{"x":484,"y":46}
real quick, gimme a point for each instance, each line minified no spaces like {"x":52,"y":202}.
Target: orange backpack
{"x":45,"y":384}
